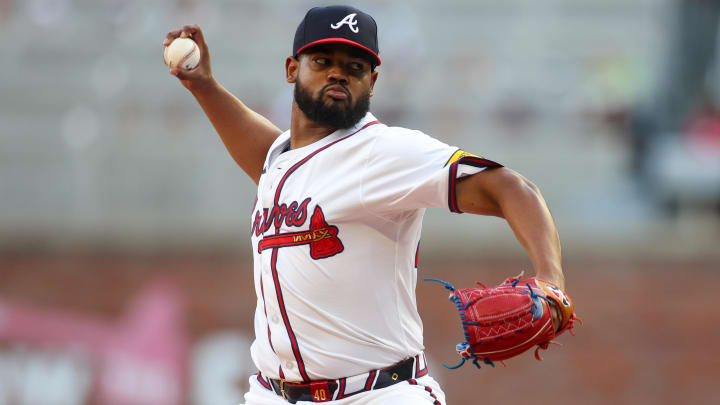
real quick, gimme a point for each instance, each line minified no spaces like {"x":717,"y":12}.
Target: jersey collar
{"x":284,"y":140}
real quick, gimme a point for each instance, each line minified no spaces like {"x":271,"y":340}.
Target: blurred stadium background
{"x":125,"y":274}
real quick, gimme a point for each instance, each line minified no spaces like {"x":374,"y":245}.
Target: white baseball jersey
{"x":335,"y":233}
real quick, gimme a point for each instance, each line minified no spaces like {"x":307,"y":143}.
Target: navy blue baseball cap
{"x":337,"y":24}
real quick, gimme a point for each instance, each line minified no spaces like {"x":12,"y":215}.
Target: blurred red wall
{"x":650,"y":331}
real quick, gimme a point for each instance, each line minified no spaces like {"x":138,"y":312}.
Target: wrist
{"x":203,"y":87}
{"x":557,"y":278}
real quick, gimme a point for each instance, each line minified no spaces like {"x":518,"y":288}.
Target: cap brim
{"x":341,"y":40}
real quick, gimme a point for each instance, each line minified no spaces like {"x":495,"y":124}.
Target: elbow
{"x":516,"y":188}
{"x":530,"y":186}
{"x":522,"y":185}
{"x":519,"y":184}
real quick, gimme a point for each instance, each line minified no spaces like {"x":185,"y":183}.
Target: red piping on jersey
{"x":417,"y":254}
{"x":286,"y":320}
{"x":273,"y":261}
{"x":262,"y":291}
{"x":470,"y":161}
{"x":263,"y":382}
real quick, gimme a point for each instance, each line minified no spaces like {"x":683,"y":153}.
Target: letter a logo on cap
{"x":350,"y":21}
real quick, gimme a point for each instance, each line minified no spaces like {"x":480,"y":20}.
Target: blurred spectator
{"x":5,"y":9}
{"x":679,"y":125}
{"x":703,"y":132}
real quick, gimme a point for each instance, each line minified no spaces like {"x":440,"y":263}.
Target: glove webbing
{"x":462,"y":346}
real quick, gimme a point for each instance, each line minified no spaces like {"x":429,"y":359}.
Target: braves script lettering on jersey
{"x":335,"y":231}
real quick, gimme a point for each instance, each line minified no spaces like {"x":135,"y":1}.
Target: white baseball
{"x":182,"y":52}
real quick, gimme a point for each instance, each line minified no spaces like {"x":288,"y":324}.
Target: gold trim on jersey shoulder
{"x":459,"y":154}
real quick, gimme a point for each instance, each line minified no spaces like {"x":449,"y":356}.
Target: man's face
{"x":333,"y":84}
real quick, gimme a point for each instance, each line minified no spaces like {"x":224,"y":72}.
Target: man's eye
{"x":356,"y":66}
{"x":321,"y":61}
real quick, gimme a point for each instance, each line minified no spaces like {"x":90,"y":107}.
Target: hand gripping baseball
{"x":504,"y":321}
{"x":200,"y":76}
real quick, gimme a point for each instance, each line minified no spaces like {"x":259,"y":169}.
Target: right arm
{"x":246,"y":134}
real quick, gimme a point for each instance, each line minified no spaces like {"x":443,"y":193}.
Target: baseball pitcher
{"x":336,"y":226}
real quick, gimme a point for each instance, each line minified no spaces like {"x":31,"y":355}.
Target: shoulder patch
{"x":459,"y":154}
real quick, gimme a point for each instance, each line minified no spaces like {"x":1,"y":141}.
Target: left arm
{"x":505,"y":193}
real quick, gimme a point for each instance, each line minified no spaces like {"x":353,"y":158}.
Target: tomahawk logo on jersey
{"x":322,"y":237}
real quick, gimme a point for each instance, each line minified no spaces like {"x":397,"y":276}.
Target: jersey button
{"x":290,"y":365}
{"x":275,"y":318}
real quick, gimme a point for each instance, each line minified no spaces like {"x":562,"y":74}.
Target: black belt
{"x":324,"y":390}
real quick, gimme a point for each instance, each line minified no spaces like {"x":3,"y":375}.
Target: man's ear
{"x":373,"y":79}
{"x":291,"y":69}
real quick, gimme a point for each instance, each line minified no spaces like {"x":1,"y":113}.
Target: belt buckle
{"x":282,"y":388}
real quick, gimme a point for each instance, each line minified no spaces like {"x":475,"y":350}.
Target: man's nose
{"x":336,"y":73}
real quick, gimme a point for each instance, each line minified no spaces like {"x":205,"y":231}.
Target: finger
{"x":189,"y":30}
{"x":557,"y":317}
{"x":183,"y":74}
{"x":196,"y":33}
{"x":171,"y":36}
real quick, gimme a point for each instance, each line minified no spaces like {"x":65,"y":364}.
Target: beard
{"x":340,"y":114}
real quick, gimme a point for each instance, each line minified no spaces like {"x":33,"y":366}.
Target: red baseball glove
{"x":504,"y":321}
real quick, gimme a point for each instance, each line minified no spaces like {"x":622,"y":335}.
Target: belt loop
{"x":421,"y":368}
{"x":416,"y":365}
